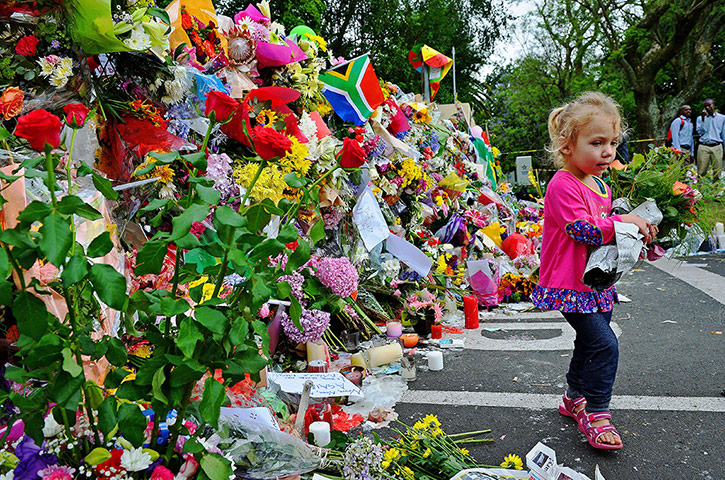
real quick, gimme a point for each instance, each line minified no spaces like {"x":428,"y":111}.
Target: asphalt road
{"x":668,"y":403}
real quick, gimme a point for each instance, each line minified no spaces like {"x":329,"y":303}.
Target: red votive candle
{"x":436,"y":331}
{"x":470,"y":310}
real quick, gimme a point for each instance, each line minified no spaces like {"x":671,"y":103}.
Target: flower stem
{"x":68,"y":162}
{"x":469,"y":433}
{"x":50,"y":173}
{"x":474,"y":440}
{"x":293,"y":211}
{"x":207,"y":135}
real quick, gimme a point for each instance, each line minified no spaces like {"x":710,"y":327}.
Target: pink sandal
{"x":568,"y":405}
{"x":593,"y":433}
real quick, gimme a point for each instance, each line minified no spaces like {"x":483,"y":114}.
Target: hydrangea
{"x":295,"y":280}
{"x":314,"y":323}
{"x":219,"y":169}
{"x":363,"y":460}
{"x":338,"y":274}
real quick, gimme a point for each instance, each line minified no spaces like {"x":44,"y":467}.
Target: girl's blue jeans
{"x":593,"y":365}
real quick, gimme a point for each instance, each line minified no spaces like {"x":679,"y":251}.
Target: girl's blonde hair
{"x":566,"y":122}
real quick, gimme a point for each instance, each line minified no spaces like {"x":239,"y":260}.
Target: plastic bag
{"x":484,"y":282}
{"x":260,"y":452}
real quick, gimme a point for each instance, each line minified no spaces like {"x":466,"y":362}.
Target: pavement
{"x":668,"y":399}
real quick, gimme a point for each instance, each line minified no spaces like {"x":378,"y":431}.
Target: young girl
{"x":584,"y":137}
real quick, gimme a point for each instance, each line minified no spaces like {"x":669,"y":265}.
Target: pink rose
{"x":162,"y":473}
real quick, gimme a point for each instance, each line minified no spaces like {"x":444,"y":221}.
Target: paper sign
{"x":259,"y":415}
{"x":331,"y":384}
{"x":369,"y":220}
{"x":410,"y":254}
{"x":322,"y":130}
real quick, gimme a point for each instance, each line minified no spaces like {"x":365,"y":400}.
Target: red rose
{"x":112,"y":465}
{"x":39,"y":127}
{"x":221,"y":104}
{"x":352,"y":155}
{"x":27,"y":46}
{"x":75,"y":114}
{"x":269,"y":143}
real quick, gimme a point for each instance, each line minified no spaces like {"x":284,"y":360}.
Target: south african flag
{"x":353,"y":89}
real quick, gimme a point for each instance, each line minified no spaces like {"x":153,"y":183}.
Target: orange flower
{"x":679,"y":188}
{"x":11,"y":102}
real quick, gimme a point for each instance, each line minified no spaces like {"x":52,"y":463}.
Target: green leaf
{"x":116,"y":353}
{"x":36,"y":211}
{"x":197,"y":159}
{"x":6,"y":292}
{"x":159,"y":13}
{"x":69,"y":363}
{"x":156,"y":385}
{"x":300,"y":256}
{"x":227,"y":216}
{"x":288,"y":234}
{"x":56,"y":238}
{"x":214,"y":320}
{"x":182,"y":223}
{"x":132,"y":423}
{"x":68,"y":204}
{"x":75,"y":270}
{"x":257,"y":218}
{"x":107,"y":415}
{"x":295,"y":312}
{"x":294,"y":181}
{"x":110,"y":286}
{"x":155,"y":204}
{"x":239,"y":331}
{"x":200,"y":258}
{"x":211,"y":401}
{"x":193,"y":446}
{"x":209,"y":195}
{"x":66,"y":391}
{"x":100,"y":245}
{"x":150,"y":258}
{"x":171,"y":307}
{"x":268,"y":248}
{"x":188,"y":242}
{"x":260,"y":289}
{"x":104,"y":186}
{"x":271,"y":207}
{"x":97,"y":456}
{"x":164,"y":158}
{"x":86,"y":211}
{"x":189,"y":335}
{"x":31,"y":315}
{"x":5,"y":267}
{"x":317,"y":232}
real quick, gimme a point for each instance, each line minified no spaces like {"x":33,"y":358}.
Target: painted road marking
{"x":563,"y":341}
{"x":537,"y":401}
{"x":707,"y":282}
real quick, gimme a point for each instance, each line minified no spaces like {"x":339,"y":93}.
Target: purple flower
{"x":338,"y":274}
{"x":314,"y":323}
{"x":31,"y":459}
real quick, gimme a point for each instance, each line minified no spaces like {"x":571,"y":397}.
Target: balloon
{"x":300,"y":31}
{"x":516,"y":244}
{"x":476,"y":131}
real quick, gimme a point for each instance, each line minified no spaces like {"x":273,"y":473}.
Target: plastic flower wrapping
{"x":197,"y":204}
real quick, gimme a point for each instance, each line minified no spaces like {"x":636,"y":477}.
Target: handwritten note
{"x":331,"y":384}
{"x":410,"y":254}
{"x":369,"y":220}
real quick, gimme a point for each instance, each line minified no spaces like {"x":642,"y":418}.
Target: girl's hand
{"x":648,"y":230}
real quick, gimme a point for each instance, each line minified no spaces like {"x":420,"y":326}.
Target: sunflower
{"x":512,"y":461}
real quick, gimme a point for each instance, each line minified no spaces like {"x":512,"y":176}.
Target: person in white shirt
{"x":711,"y":127}
{"x":681,"y":131}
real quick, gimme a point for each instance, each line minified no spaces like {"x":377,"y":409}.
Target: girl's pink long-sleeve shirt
{"x":576,"y":218}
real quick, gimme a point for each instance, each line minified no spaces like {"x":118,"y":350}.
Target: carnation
{"x":338,"y":274}
{"x":314,"y":323}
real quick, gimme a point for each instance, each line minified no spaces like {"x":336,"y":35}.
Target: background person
{"x":711,"y":127}
{"x":681,"y":130}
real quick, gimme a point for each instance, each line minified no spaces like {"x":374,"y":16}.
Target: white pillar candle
{"x":358,"y":360}
{"x":721,"y":241}
{"x":386,"y":354}
{"x":435,"y":361}
{"x":321,"y":432}
{"x":317,"y":351}
{"x":719,"y":229}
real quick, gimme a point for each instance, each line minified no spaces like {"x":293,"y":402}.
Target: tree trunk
{"x":647,"y":110}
